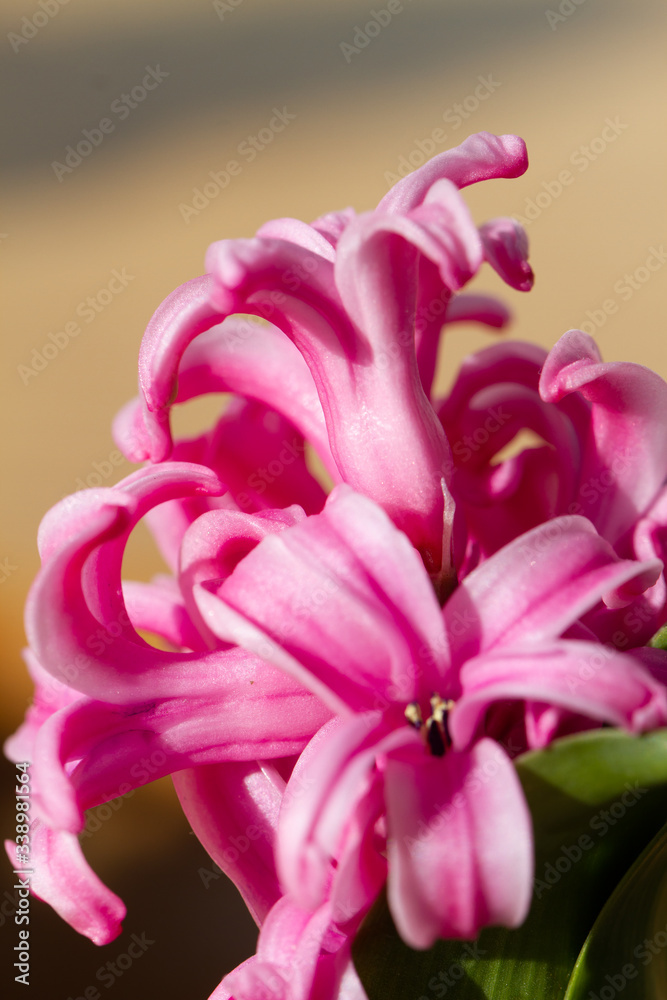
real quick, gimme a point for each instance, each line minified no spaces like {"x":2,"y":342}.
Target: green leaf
{"x":627,"y":947}
{"x":659,"y":640}
{"x":596,"y":799}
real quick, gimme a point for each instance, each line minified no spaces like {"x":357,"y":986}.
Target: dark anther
{"x":434,"y":738}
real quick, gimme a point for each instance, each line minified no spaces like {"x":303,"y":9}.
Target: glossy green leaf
{"x":659,"y":640}
{"x":626,"y":950}
{"x":597,"y":799}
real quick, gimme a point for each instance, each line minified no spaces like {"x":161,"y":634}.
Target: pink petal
{"x":516,"y":496}
{"x":506,"y":249}
{"x":649,"y":541}
{"x":79,"y":629}
{"x":522,"y":491}
{"x":257,"y":361}
{"x":295,"y":231}
{"x":181,"y":317}
{"x":325,"y":814}
{"x":510,"y":361}
{"x":475,"y":307}
{"x":654,"y":660}
{"x":460,"y":844}
{"x":289,"y":952}
{"x":545,"y":723}
{"x":332,"y":224}
{"x":433,"y":299}
{"x":158,"y":607}
{"x":250,"y":712}
{"x":261,"y":457}
{"x":50,"y":696}
{"x":168,"y":522}
{"x":216,"y":542}
{"x":64,"y":880}
{"x":287,"y":598}
{"x":510,"y":597}
{"x":625,"y":458}
{"x":233,"y":809}
{"x":479,"y":157}
{"x":584,"y":678}
{"x":356,"y":372}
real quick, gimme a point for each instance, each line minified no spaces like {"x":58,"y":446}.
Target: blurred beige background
{"x":583,"y":83}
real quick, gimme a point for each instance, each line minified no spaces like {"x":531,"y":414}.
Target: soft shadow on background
{"x":584,"y":88}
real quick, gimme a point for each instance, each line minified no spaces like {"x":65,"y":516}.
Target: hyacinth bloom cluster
{"x":351,"y":674}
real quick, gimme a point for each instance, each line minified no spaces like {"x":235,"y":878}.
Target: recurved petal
{"x":76,"y":619}
{"x":216,"y":542}
{"x":233,"y":809}
{"x":262,"y":458}
{"x":475,"y":307}
{"x":538,"y":585}
{"x":459,"y":843}
{"x":625,"y":454}
{"x":84,"y":754}
{"x":290,"y":953}
{"x":583,"y":678}
{"x":287,"y":599}
{"x":158,"y":607}
{"x":239,"y":355}
{"x":255,"y":360}
{"x":383,"y":434}
{"x":506,"y":249}
{"x":50,"y":696}
{"x":63,"y":878}
{"x":480,"y":157}
{"x":183,"y":315}
{"x":329,"y":810}
{"x":332,"y":224}
{"x":304,"y":235}
{"x":649,"y":541}
{"x":512,"y":361}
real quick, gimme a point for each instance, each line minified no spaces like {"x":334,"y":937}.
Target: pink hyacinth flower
{"x":234,"y":810}
{"x":106,"y":699}
{"x":412,"y":685}
{"x":602,"y":453}
{"x":349,"y":351}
